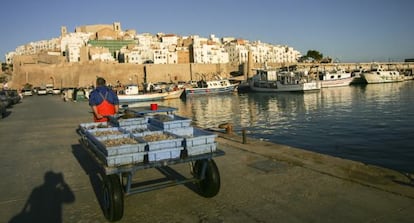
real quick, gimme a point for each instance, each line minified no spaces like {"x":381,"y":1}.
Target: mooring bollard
{"x":244,"y":136}
{"x":227,"y":126}
{"x":229,"y":129}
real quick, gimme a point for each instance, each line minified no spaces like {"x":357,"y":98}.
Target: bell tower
{"x":117,"y":26}
{"x":63,"y":31}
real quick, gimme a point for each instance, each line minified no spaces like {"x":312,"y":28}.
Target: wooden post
{"x":244,"y":136}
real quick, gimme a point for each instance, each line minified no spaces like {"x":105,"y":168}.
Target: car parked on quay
{"x":3,"y":110}
{"x":56,"y":91}
{"x":4,"y":99}
{"x":13,"y":95}
{"x":41,"y":91}
{"x":27,"y":92}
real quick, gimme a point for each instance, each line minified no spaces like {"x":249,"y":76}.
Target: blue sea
{"x":371,"y":123}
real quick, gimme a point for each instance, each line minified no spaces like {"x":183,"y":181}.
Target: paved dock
{"x":260,"y":181}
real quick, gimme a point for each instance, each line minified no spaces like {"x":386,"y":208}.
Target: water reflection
{"x":370,"y":123}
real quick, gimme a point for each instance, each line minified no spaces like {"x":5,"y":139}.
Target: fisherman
{"x":103,"y":101}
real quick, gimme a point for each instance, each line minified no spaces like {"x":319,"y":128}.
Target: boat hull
{"x":204,"y":91}
{"x":337,"y":82}
{"x":150,"y":97}
{"x":374,"y":78}
{"x":278,"y":87}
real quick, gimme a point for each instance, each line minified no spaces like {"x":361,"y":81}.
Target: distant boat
{"x":244,"y":86}
{"x":378,"y":75}
{"x":357,"y":77}
{"x":132,"y":95}
{"x":337,"y":78}
{"x":268,"y":80}
{"x":211,"y":87}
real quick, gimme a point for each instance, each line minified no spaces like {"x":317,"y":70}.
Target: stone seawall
{"x":84,"y":74}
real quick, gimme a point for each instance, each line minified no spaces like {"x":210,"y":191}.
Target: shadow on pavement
{"x":92,"y":169}
{"x":45,"y":202}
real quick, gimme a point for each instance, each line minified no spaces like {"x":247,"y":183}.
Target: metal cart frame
{"x":118,"y":181}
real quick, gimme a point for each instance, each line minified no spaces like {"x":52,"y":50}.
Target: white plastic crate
{"x":93,"y":125}
{"x":125,"y":159}
{"x":121,"y":149}
{"x":95,"y":132}
{"x":128,"y":122}
{"x":140,"y":130}
{"x":171,"y":122}
{"x":201,"y":149}
{"x":183,"y":132}
{"x":196,"y":137}
{"x":175,"y":142}
{"x":171,"y":153}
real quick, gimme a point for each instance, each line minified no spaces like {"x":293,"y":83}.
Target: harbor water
{"x":372,"y":123}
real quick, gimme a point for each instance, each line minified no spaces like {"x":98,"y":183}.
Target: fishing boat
{"x":378,"y":75}
{"x":272,"y":80}
{"x":131,"y":94}
{"x":337,"y":78}
{"x":211,"y":87}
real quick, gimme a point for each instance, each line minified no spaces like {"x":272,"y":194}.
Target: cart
{"x":118,"y":180}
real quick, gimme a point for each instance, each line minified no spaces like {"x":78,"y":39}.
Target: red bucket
{"x":154,"y":106}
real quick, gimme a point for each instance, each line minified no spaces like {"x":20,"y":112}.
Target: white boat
{"x":378,"y":75}
{"x":267,"y":80}
{"x":132,"y":95}
{"x":211,"y":87}
{"x":336,"y":78}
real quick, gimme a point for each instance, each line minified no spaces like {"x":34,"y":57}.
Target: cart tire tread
{"x":210,"y":185}
{"x":113,"y":200}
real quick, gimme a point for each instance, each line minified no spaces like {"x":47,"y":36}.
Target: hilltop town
{"x":110,"y":43}
{"x":74,"y":59}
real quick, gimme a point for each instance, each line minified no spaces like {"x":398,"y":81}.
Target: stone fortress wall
{"x":46,"y":71}
{"x":84,"y":74}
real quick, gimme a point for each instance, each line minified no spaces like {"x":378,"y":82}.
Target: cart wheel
{"x":209,"y":185}
{"x":113,"y":198}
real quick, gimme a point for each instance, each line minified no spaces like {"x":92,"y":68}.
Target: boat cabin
{"x":131,"y":89}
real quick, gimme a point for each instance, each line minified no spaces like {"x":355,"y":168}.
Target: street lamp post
{"x":137,"y":79}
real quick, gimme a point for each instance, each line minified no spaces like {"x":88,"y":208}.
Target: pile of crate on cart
{"x":146,"y":139}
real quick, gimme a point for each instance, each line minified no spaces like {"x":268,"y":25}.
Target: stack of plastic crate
{"x":171,"y":147}
{"x":168,"y":122}
{"x":83,"y":127}
{"x":195,"y":140}
{"x":161,"y":145}
{"x":116,"y":147}
{"x":120,"y":122}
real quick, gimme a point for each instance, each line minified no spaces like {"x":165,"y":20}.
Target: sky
{"x":345,"y":30}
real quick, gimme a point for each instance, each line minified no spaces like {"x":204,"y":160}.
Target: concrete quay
{"x":260,"y":181}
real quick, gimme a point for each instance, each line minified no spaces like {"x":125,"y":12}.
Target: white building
{"x":215,"y":39}
{"x":162,"y":49}
{"x":145,"y":39}
{"x":259,"y":52}
{"x":169,"y":39}
{"x":9,"y":57}
{"x":207,"y":51}
{"x":210,"y":54}
{"x":238,"y":53}
{"x":71,"y":43}
{"x":100,"y":54}
{"x":172,"y":57}
{"x":160,"y":56}
{"x":72,"y":52}
{"x":133,"y":56}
